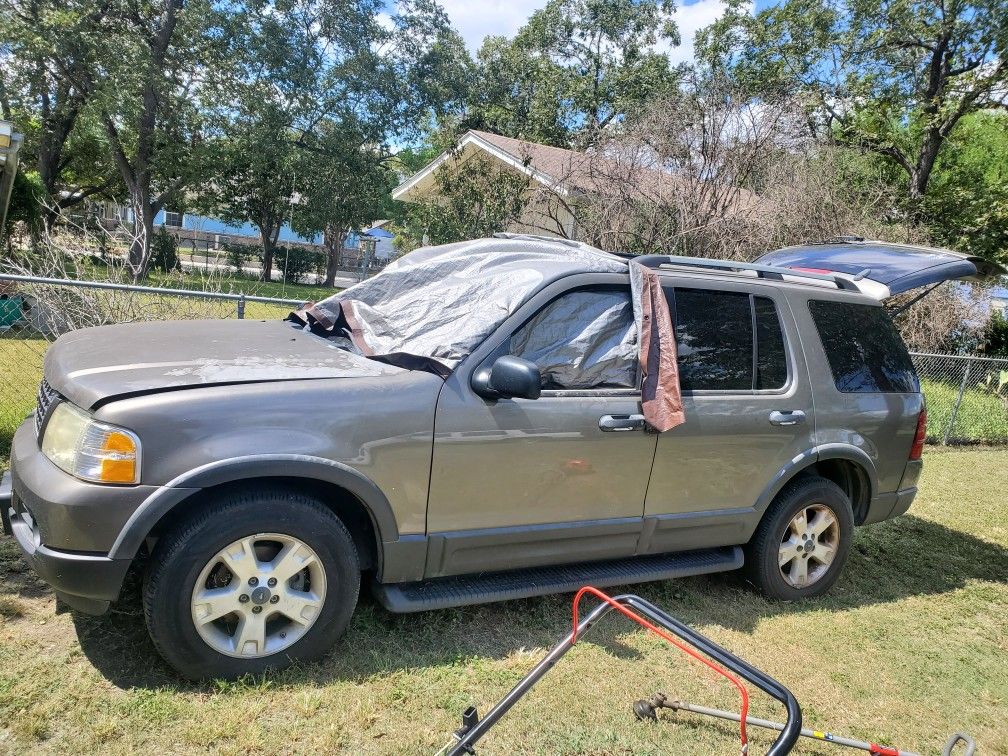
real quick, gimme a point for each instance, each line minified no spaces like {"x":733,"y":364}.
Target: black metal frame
{"x":474,"y":728}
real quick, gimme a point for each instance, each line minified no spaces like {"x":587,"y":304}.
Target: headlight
{"x":87,"y":449}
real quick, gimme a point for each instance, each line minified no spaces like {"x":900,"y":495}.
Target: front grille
{"x":44,"y":401}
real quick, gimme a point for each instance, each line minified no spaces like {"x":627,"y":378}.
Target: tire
{"x":776,"y":538}
{"x":297,"y":619}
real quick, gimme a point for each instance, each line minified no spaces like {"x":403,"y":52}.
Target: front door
{"x":521,"y":482}
{"x":748,"y":407}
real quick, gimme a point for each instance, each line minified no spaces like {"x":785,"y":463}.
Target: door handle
{"x":616,"y":423}
{"x":787,"y":417}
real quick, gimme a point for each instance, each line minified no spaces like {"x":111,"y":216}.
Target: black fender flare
{"x":820,"y":453}
{"x":162,"y":501}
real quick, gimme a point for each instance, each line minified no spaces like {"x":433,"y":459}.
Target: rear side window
{"x":771,"y":360}
{"x":865,"y":351}
{"x":728,"y":341}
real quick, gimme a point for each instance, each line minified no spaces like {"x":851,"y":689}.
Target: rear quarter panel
{"x":880,"y":425}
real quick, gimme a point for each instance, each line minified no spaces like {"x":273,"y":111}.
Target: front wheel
{"x":802,"y":542}
{"x":250,"y":582}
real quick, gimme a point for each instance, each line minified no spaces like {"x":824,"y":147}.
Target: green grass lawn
{"x":241,"y":284}
{"x":20,"y":373}
{"x":911,"y":645}
{"x":981,"y":417}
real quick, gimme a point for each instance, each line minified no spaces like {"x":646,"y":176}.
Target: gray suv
{"x":467,"y":427}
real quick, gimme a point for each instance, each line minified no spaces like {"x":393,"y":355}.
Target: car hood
{"x":91,"y":365}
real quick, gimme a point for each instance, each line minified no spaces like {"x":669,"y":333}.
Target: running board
{"x":485,"y":587}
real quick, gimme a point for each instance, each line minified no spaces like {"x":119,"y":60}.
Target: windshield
{"x":442,"y":302}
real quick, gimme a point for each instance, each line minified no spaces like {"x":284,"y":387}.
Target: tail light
{"x":918,"y":443}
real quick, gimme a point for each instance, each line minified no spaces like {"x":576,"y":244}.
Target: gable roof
{"x":539,"y":161}
{"x":561,"y":170}
{"x":557,"y":168}
{"x":543,"y":160}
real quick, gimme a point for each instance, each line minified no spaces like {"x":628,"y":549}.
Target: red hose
{"x":743,"y":693}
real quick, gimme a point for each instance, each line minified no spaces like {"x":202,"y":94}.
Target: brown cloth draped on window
{"x":661,"y":397}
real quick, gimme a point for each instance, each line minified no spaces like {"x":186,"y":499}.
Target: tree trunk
{"x":47,"y":165}
{"x":269,"y":233}
{"x":143,"y":232}
{"x":333,"y":240}
{"x":268,"y":247}
{"x":921,"y":173}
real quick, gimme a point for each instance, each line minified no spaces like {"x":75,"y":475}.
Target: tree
{"x":576,"y":68}
{"x":709,"y":172}
{"x":320,"y":89}
{"x":997,"y":336}
{"x":517,"y":94}
{"x":260,"y":94}
{"x":343,"y":192}
{"x":156,"y":57}
{"x":27,"y":206}
{"x":966,"y":207}
{"x":51,"y":62}
{"x":475,"y":199}
{"x":893,"y":77}
{"x":259,"y":167}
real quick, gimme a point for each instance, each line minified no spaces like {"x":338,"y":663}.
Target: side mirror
{"x":509,"y":377}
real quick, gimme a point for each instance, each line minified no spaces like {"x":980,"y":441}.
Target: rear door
{"x":884,"y":270}
{"x":748,"y":408}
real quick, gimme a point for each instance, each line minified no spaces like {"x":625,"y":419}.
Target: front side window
{"x":583,"y":339}
{"x":728,"y":341}
{"x":173,"y":219}
{"x":865,"y":351}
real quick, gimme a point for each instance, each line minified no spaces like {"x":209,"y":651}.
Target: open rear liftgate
{"x":720,"y":660}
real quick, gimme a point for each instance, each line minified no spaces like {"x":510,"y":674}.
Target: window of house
{"x":865,"y":351}
{"x":173,"y":219}
{"x":727,"y":341}
{"x":583,"y":339}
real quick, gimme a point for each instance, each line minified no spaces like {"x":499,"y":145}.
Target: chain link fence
{"x":967,"y":396}
{"x":35,"y":311}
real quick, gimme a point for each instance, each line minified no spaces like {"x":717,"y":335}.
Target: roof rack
{"x":775,"y":272}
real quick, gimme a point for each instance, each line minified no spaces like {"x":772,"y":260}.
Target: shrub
{"x":296,"y":263}
{"x":238,"y":255}
{"x":997,"y":336}
{"x":164,"y":252}
{"x":27,"y":202}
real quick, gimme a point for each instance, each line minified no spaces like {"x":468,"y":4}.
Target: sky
{"x":477,"y":19}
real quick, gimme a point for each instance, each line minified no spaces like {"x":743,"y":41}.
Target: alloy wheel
{"x":809,"y":546}
{"x":259,"y":595}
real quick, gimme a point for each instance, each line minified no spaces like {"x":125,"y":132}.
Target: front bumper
{"x":5,"y":502}
{"x":66,"y":527}
{"x":70,"y":514}
{"x":87,"y":582}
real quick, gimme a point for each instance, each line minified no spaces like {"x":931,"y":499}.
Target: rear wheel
{"x":253,"y":581}
{"x":802,"y":543}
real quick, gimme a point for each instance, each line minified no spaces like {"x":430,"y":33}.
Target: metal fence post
{"x":958,"y":402}
{"x":241,"y":307}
